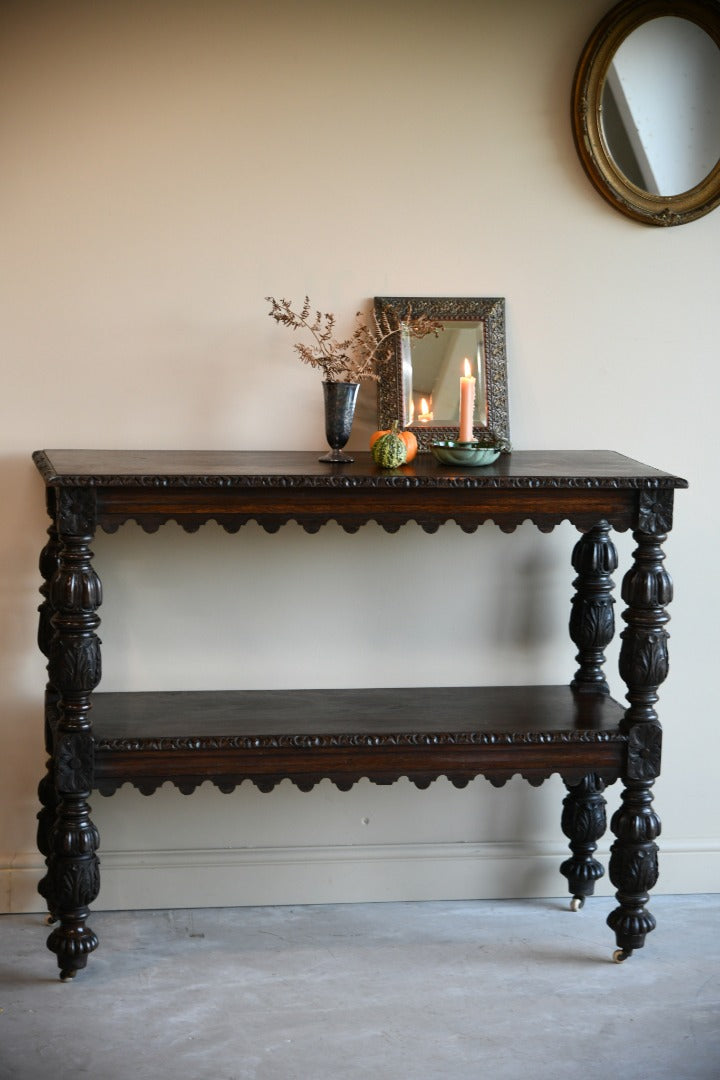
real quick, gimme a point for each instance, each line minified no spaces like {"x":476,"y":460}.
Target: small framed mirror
{"x":419,"y":385}
{"x":646,"y":109}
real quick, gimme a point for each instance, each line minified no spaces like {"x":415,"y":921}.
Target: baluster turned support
{"x":592,"y":622}
{"x":49,"y":561}
{"x":584,"y":822}
{"x":592,"y":626}
{"x":647,"y":589}
{"x":75,"y":594}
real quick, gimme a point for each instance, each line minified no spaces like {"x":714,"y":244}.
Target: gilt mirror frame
{"x":392,"y":384}
{"x":587,"y":125}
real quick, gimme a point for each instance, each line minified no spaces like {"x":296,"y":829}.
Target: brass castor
{"x":67,"y":974}
{"x":620,"y":955}
{"x":577,"y":903}
{"x":50,"y":920}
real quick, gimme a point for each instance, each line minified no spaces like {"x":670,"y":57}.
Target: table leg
{"x":49,"y":561}
{"x":74,"y":666}
{"x":647,"y":588}
{"x":583,"y":822}
{"x":592,"y":627}
{"x":592,"y":622}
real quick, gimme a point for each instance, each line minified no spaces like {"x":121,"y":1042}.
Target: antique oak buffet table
{"x":102,"y":740}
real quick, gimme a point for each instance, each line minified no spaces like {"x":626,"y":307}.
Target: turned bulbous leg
{"x":633,"y":868}
{"x":583,"y":822}
{"x":592,"y":621}
{"x":71,"y":841}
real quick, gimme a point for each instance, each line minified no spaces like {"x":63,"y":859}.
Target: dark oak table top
{"x":248,"y":468}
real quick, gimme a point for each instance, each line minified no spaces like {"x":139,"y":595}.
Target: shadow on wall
{"x":23,"y":527}
{"x":525,"y":623}
{"x":22,"y":666}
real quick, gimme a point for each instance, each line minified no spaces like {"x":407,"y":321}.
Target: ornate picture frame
{"x":486,"y":318}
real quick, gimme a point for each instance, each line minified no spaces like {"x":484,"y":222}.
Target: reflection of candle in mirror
{"x":467,"y":404}
{"x":425,"y":415}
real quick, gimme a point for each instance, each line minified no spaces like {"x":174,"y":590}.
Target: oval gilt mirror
{"x":646,"y":109}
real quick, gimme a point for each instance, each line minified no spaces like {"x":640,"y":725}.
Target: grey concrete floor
{"x":497,"y":989}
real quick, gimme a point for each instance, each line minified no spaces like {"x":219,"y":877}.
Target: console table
{"x":99,"y":740}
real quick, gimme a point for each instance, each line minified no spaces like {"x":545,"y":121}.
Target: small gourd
{"x":390,"y":451}
{"x":411,"y":443}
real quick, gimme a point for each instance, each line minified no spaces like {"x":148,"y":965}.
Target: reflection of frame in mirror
{"x":420,"y":383}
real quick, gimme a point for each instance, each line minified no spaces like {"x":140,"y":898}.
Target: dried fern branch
{"x":353,"y":359}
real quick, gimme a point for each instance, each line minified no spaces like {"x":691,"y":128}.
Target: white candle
{"x":467,"y":404}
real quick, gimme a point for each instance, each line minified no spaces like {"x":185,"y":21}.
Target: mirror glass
{"x":433,"y":366}
{"x":646,"y":109}
{"x":661,"y":106}
{"x":420,"y":382}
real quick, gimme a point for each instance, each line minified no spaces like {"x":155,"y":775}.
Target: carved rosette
{"x":584,"y":822}
{"x":74,"y":759}
{"x":644,"y":752}
{"x":592,"y":621}
{"x":73,"y":878}
{"x":76,"y":511}
{"x":655,"y":512}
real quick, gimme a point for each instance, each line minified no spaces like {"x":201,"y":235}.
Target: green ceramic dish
{"x":467,"y":454}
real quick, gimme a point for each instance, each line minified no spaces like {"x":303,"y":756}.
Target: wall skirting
{"x":344,"y":874}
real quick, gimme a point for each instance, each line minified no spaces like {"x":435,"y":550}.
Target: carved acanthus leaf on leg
{"x":73,"y":878}
{"x":647,"y":588}
{"x":49,"y":561}
{"x":592,"y":622}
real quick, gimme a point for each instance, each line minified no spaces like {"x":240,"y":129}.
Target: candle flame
{"x":425,"y":414}
{"x":468,"y":369}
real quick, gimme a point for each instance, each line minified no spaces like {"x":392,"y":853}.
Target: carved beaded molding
{"x":377,"y":482}
{"x":353,"y":740}
{"x":420,"y":776}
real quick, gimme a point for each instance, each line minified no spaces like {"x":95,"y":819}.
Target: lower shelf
{"x":347,"y":735}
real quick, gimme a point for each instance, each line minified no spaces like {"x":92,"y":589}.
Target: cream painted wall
{"x":165,"y":166}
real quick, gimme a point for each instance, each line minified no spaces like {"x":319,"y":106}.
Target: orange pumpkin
{"x":411,"y":443}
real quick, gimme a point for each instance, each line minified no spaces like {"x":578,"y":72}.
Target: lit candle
{"x":467,"y":404}
{"x":425,"y":416}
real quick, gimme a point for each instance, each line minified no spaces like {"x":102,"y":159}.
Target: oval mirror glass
{"x":661,"y":106}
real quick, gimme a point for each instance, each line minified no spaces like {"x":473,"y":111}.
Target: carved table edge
{"x":358,"y":741}
{"x":369,"y":481}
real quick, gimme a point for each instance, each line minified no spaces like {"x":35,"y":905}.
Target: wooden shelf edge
{"x":305,"y":736}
